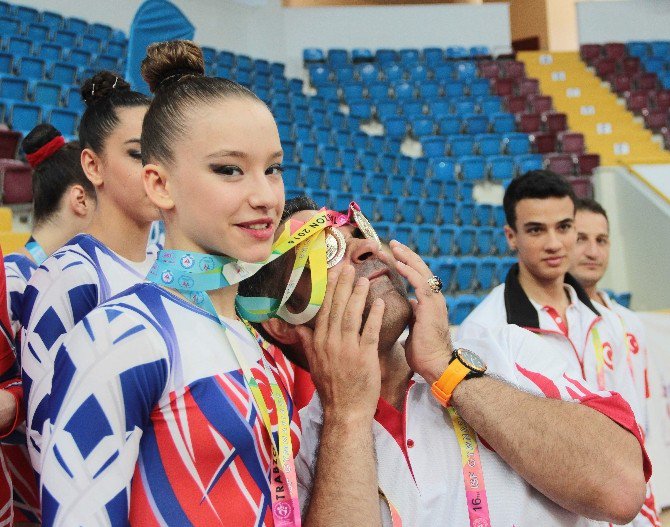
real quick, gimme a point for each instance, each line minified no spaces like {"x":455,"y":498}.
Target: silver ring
{"x":435,"y":284}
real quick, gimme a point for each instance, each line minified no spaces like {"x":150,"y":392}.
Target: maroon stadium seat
{"x":590,"y":52}
{"x":540,"y":103}
{"x":615,"y":50}
{"x":562,"y":164}
{"x":513,"y":69}
{"x":529,"y":122}
{"x":489,"y":69}
{"x":637,"y":100}
{"x":9,"y":142}
{"x":571,"y":142}
{"x":587,"y":163}
{"x":661,"y":99}
{"x":516,"y":104}
{"x":543,"y":142}
{"x":555,"y":121}
{"x":503,"y":87}
{"x":646,"y":81}
{"x":605,"y":68}
{"x":582,"y":185}
{"x":17,"y":184}
{"x":528,"y":87}
{"x":621,"y":82}
{"x":655,"y":119}
{"x":630,"y":65}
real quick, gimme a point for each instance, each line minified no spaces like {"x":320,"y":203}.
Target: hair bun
{"x":38,"y":137}
{"x":171,"y":59}
{"x":102,"y":86}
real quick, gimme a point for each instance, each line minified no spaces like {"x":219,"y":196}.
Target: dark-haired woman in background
{"x":192,"y":418}
{"x":112,"y":254}
{"x":63,"y":204}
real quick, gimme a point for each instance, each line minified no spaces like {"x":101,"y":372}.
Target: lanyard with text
{"x":629,"y":346}
{"x":283,"y":481}
{"x":600,"y":359}
{"x":35,"y":250}
{"x":473,"y":473}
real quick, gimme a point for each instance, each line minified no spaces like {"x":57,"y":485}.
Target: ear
{"x":281,"y":331}
{"x":157,"y":186}
{"x":510,"y":234}
{"x":91,"y":164}
{"x":81,"y":204}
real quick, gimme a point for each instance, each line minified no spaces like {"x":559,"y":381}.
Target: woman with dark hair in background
{"x":109,"y":257}
{"x":63,"y":204}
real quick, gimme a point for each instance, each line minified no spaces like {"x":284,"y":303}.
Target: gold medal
{"x":364,"y":225}
{"x":336,"y":245}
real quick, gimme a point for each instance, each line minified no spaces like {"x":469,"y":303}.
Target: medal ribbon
{"x":396,"y":520}
{"x":600,"y":358}
{"x":473,"y":473}
{"x":35,"y":250}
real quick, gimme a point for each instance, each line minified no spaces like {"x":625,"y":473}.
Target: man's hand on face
{"x":428,"y":348}
{"x":343,"y":360}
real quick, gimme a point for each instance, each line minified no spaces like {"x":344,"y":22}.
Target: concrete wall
{"x":622,"y":20}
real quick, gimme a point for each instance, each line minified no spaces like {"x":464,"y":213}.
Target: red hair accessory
{"x":45,"y":151}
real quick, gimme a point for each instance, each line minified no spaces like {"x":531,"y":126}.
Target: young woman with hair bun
{"x":110,"y":256}
{"x":63,"y":204}
{"x":182,"y":394}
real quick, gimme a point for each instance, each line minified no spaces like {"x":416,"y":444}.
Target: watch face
{"x":471,"y":360}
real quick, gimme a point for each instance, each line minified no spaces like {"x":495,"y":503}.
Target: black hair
{"x":55,"y":174}
{"x":536,"y":184}
{"x":175,"y":73}
{"x":104,"y":94}
{"x":592,"y":206}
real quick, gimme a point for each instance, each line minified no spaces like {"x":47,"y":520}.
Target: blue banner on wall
{"x":155,"y":21}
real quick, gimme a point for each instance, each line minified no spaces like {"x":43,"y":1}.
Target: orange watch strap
{"x":446,"y":384}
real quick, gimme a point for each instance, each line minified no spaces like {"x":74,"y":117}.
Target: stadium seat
{"x":64,"y":120}
{"x":460,"y":145}
{"x":540,"y":103}
{"x":461,"y":307}
{"x":560,"y":164}
{"x":346,"y":75}
{"x":53,"y":21}
{"x":487,"y":144}
{"x":37,"y":32}
{"x":555,"y":121}
{"x":490,"y":105}
{"x":9,"y":143}
{"x":500,"y":167}
{"x":6,"y":63}
{"x":360,"y":109}
{"x":19,"y":46}
{"x":429,"y":211}
{"x":500,"y":243}
{"x":571,"y":142}
{"x":395,"y":127}
{"x":91,"y":43}
{"x":486,"y":272}
{"x":47,"y":93}
{"x":446,"y":271}
{"x":476,"y":124}
{"x":484,"y":240}
{"x":516,"y":143}
{"x":312,"y":176}
{"x":379,"y":92}
{"x":13,"y":88}
{"x":443,"y":168}
{"x":483,"y":214}
{"x":433,"y":146}
{"x":313,"y":55}
{"x":465,"y":239}
{"x":9,"y":26}
{"x":449,"y":125}
{"x":63,"y":73}
{"x":465,"y":189}
{"x":472,"y":167}
{"x":502,"y":123}
{"x":544,"y":142}
{"x":393,"y":73}
{"x":529,"y":122}
{"x":466,"y":271}
{"x":587,"y":163}
{"x":403,"y":91}
{"x":528,"y":162}
{"x":386,"y":109}
{"x":504,"y":265}
{"x":79,"y":57}
{"x":25,"y":116}
{"x":465,"y":213}
{"x":453,"y":88}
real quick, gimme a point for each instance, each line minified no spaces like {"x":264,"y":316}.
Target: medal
{"x":364,"y":225}
{"x":336,"y":246}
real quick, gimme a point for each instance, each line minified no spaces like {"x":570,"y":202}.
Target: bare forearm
{"x":574,"y":455}
{"x":345,"y":487}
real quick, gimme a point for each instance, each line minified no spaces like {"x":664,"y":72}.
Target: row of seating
{"x":408,"y":56}
{"x":25,"y":116}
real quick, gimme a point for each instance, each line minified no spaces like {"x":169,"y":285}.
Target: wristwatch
{"x":464,"y":364}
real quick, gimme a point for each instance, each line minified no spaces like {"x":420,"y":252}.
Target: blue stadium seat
{"x":465,"y":106}
{"x":262,"y":67}
{"x":485,"y":240}
{"x":385,"y":230}
{"x":379,"y":92}
{"x":79,"y":57}
{"x":502,"y":123}
{"x":393,"y":73}
{"x":472,"y":167}
{"x":403,"y":233}
{"x":321,"y":197}
{"x":368,"y":74}
{"x":465,"y":212}
{"x":292,"y":175}
{"x":63,"y":73}
{"x":479,"y":51}
{"x":434,"y":146}
{"x":47,"y":93}
{"x":242,"y":77}
{"x":359,"y":55}
{"x":387,"y":164}
{"x":334,"y":179}
{"x":368,"y":204}
{"x":422,"y":127}
{"x":349,"y":158}
{"x":91,"y":43}
{"x":440,"y":108}
{"x":409,"y":208}
{"x":312,"y":55}
{"x":462,"y":306}
{"x":500,"y":167}
{"x":116,"y":49}
{"x":64,"y":120}
{"x":429,"y":90}
{"x":446,"y":236}
{"x":397,"y":185}
{"x":528,"y":162}
{"x":483,"y":214}
{"x":386,"y":56}
{"x":433,"y":56}
{"x":434,"y":188}
{"x":395,"y":127}
{"x":285,"y":129}
{"x":423,"y":239}
{"x":377,"y":185}
{"x":319,"y":76}
{"x":368,"y":160}
{"x":6,"y":63}
{"x":244,"y":63}
{"x":449,"y":125}
{"x":209,"y":54}
{"x":465,"y":239}
{"x":409,"y":56}
{"x":53,"y":21}
{"x":466,"y":271}
{"x":25,"y":116}
{"x":337,"y":57}
{"x":457,"y":52}
{"x":448,"y":211}
{"x":277,"y":69}
{"x":73,"y":101}
{"x":346,"y":75}
{"x":486,"y":272}
{"x":476,"y":124}
{"x":504,"y":265}
{"x":76,"y":25}
{"x":19,"y":46}
{"x":429,"y":210}
{"x":490,"y":105}
{"x":465,"y":189}
{"x":359,"y":140}
{"x":289,"y":150}
{"x":225,"y":59}
{"x":418,"y":74}
{"x":107,"y":62}
{"x":411,"y":109}
{"x":306,"y":152}
{"x":460,"y":145}
{"x":356,"y":181}
{"x":312,"y":177}
{"x":499,"y":216}
{"x":37,"y":32}
{"x":416,"y":186}
{"x":26,"y":15}
{"x":360,"y":109}
{"x":322,"y":134}
{"x":13,"y":88}
{"x":67,"y":39}
{"x":500,"y":242}
{"x":660,"y":48}
{"x":446,"y":270}
{"x":101,"y":31}
{"x":516,"y":143}
{"x":403,"y":91}
{"x":49,"y":51}
{"x":293,"y":192}
{"x":479,"y":87}
{"x":488,"y":144}
{"x":466,"y":70}
{"x":386,"y":109}
{"x":328,"y":155}
{"x":450,"y":192}
{"x":9,"y":26}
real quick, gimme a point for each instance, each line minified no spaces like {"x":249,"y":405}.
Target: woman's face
{"x":226,"y":181}
{"x":122,"y":167}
